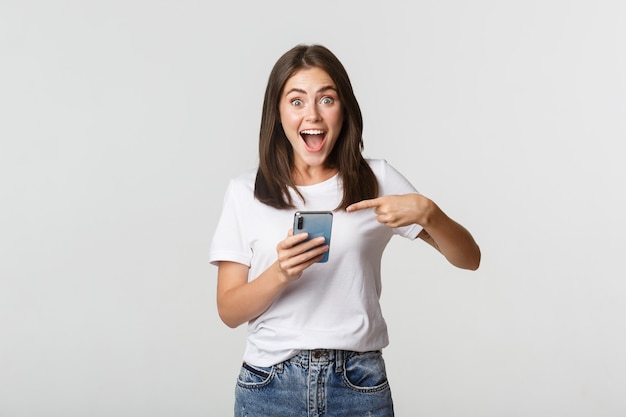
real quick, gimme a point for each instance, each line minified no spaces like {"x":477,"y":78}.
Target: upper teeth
{"x":312,"y":132}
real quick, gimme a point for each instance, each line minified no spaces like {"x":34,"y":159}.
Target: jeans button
{"x":319,"y":353}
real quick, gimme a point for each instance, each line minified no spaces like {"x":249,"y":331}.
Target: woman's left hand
{"x":439,"y":231}
{"x":398,"y":210}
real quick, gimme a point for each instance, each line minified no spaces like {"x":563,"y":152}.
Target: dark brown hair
{"x":274,"y":176}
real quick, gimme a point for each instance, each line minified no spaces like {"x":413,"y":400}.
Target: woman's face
{"x":311,"y":116}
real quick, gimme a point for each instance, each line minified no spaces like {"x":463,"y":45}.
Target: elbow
{"x":474,"y":263}
{"x":230,"y":323}
{"x":469,"y":266}
{"x":474,"y":266}
{"x":469,"y":262}
{"x":228,"y":319}
{"x":233,"y":324}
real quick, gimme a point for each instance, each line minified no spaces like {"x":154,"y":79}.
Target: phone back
{"x":316,"y":224}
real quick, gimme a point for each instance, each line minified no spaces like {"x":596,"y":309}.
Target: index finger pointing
{"x":364,"y":204}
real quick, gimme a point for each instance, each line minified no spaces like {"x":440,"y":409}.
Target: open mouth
{"x":313,"y":139}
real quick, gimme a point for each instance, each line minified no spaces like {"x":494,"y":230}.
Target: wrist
{"x":425,"y":211}
{"x":280,"y":276}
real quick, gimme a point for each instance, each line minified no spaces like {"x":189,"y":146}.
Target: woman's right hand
{"x":240,"y":300}
{"x":295,"y":254}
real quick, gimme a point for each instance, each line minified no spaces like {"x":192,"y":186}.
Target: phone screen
{"x":316,"y":224}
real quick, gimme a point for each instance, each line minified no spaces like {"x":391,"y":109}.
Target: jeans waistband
{"x":317,"y":357}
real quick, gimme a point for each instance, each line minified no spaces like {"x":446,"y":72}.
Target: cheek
{"x":336,"y":120}
{"x":288,"y":120}
{"x":290,"y":126}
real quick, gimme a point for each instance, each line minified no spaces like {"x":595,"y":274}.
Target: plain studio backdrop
{"x":122,"y":121}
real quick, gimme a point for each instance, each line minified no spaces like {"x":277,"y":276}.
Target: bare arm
{"x":239,"y":301}
{"x":451,"y":239}
{"x":440,"y":231}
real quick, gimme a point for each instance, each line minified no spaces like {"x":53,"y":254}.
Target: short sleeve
{"x":229,"y":241}
{"x":392,"y":182}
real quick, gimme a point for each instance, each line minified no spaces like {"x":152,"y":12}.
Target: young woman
{"x":315,"y":330}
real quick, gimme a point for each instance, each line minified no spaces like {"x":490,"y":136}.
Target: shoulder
{"x":241,"y":186}
{"x":390,"y":179}
{"x":244,"y":180}
{"x":380,"y":167}
{"x":376,"y":164}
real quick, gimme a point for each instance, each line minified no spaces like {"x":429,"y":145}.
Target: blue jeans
{"x":316,"y":383}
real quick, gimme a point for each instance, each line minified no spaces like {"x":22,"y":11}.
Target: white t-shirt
{"x":333,"y":305}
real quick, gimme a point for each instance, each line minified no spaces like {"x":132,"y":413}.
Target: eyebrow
{"x":321,"y":90}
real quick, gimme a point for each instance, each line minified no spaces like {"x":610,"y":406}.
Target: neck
{"x":312,"y":175}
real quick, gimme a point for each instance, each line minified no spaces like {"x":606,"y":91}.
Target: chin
{"x":315,"y":160}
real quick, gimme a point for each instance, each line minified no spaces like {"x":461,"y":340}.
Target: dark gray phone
{"x":316,"y":224}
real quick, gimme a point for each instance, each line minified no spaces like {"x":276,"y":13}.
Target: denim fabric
{"x":316,"y":383}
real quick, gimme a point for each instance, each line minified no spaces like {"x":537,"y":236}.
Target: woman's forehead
{"x":309,"y":80}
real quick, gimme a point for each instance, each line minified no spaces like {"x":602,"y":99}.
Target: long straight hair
{"x":276,"y":164}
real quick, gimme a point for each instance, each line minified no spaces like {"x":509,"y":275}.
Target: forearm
{"x":241,"y":303}
{"x":451,"y":239}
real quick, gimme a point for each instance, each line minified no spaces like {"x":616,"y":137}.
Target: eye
{"x":327,"y":100}
{"x":296,"y":102}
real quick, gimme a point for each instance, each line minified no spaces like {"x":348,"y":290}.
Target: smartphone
{"x":316,"y":224}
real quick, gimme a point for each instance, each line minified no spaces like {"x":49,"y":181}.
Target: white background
{"x":122,"y":121}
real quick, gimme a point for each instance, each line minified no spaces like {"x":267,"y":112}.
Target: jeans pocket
{"x":365,"y":372}
{"x":251,"y":376}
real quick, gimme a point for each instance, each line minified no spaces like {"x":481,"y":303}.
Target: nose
{"x":313,"y":114}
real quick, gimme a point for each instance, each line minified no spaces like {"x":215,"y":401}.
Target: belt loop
{"x":339,"y":358}
{"x":279,"y":367}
